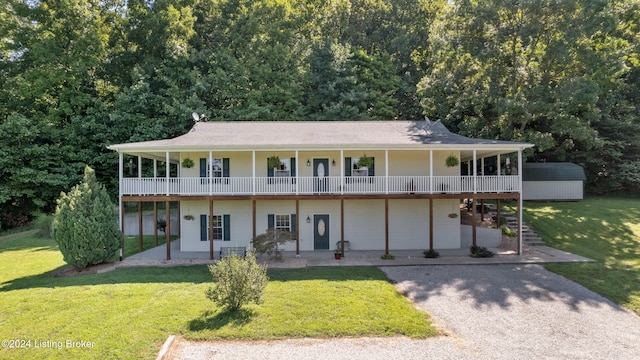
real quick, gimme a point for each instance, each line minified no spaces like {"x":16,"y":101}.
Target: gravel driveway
{"x":487,"y":312}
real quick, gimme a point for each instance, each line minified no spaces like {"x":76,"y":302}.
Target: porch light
{"x":333,"y":162}
{"x":308,"y":220}
{"x":308,"y":162}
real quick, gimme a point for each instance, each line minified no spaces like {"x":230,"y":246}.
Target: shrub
{"x":432,"y":254}
{"x":42,"y":223}
{"x":239,"y":281}
{"x":387,"y":257}
{"x":269,"y":243}
{"x":508,"y":232}
{"x":480,"y":252}
{"x":85,"y":224}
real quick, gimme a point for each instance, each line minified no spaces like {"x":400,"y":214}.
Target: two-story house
{"x":380,"y":185}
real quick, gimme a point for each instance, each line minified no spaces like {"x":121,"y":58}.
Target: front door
{"x":320,"y":172}
{"x":321,"y":232}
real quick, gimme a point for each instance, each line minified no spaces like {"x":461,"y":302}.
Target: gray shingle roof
{"x":314,"y":134}
{"x":552,"y":171}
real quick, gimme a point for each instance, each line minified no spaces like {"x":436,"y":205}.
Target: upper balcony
{"x":334,"y":185}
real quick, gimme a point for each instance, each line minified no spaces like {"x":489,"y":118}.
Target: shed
{"x":556,"y":181}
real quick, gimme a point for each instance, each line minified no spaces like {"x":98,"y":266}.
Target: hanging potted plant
{"x":273,"y":162}
{"x":189,"y":217}
{"x":365,"y":162}
{"x":187,"y":163}
{"x":452,"y":161}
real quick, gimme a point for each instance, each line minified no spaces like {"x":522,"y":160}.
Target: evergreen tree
{"x":85,"y":225}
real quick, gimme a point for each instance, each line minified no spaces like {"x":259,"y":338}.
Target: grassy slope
{"x":604,"y":229}
{"x":128,"y":313}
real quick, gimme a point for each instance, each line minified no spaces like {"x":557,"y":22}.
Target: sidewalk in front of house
{"x":530,"y":255}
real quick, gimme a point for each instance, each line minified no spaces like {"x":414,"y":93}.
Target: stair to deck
{"x":529,"y":237}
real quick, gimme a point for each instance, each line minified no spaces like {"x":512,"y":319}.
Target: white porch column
{"x":139,"y":167}
{"x":155,"y":176}
{"x":167,"y":170}
{"x":210,"y":167}
{"x":341,"y":172}
{"x":498,"y":161}
{"x":520,"y":200}
{"x":430,"y":171}
{"x":120,"y":177}
{"x":120,"y":215}
{"x":253,"y":171}
{"x":297,"y":172}
{"x":475,"y":172}
{"x":386,"y":171}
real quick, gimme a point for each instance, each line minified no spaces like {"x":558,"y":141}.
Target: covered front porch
{"x":532,"y":255}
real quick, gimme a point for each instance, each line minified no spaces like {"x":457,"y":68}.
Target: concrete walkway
{"x":530,"y":255}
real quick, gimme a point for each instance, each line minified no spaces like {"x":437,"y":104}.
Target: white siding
{"x":552,"y":190}
{"x":446,"y":230}
{"x":408,"y":224}
{"x":241,"y":230}
{"x":364,"y":224}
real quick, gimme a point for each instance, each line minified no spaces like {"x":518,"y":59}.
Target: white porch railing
{"x":327,"y":185}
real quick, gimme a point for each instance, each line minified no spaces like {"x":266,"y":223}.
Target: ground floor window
{"x":221,"y":227}
{"x":285,"y":222}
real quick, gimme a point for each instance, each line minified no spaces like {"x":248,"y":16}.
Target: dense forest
{"x":78,"y":75}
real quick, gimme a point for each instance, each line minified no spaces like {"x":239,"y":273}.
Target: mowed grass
{"x":128,"y":313}
{"x":604,"y":229}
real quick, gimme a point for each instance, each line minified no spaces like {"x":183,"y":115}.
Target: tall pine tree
{"x":85,"y":224}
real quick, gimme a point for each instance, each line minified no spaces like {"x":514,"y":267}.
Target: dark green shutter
{"x":271,"y":221}
{"x":225,"y":167}
{"x":293,"y":166}
{"x":372,"y":169}
{"x":226,"y":223}
{"x":269,"y":169}
{"x":203,"y":167}
{"x":347,"y":166}
{"x":203,"y":227}
{"x":293,"y":225}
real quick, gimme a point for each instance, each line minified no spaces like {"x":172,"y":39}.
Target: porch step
{"x":529,"y":237}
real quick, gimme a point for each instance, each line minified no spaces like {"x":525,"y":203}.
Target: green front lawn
{"x":604,"y":229}
{"x":128,"y":313}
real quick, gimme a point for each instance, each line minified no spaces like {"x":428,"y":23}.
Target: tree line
{"x":78,"y":75}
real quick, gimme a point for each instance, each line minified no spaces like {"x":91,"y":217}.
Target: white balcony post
{"x":210,"y":167}
{"x":253,"y":172}
{"x":120,"y":176}
{"x":341,"y":172}
{"x":386,"y":171}
{"x":475,"y":172}
{"x":297,"y":172}
{"x":167,"y":170}
{"x":430,"y":171}
{"x":520,"y":198}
